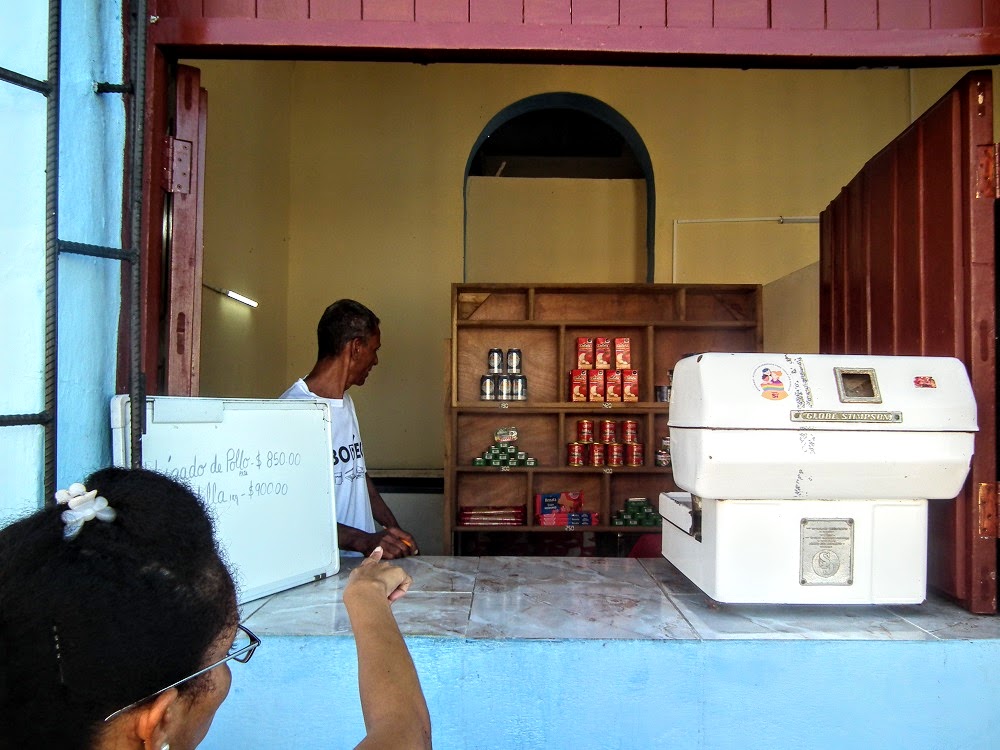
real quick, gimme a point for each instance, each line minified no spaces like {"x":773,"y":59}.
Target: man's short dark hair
{"x":342,"y":322}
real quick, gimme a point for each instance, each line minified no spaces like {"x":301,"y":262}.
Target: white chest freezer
{"x":806,"y":478}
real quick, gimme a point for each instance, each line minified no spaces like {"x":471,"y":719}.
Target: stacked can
{"x":663,"y":452}
{"x":638,"y":511}
{"x":634,"y":455}
{"x":503,"y":380}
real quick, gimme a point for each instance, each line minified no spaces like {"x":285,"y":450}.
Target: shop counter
{"x":605,"y":653}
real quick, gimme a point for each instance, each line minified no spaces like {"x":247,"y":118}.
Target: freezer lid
{"x":767,"y":391}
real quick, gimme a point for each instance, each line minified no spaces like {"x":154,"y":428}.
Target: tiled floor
{"x":596,"y":598}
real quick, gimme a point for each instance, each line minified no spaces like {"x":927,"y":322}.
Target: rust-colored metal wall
{"x":907,"y":267}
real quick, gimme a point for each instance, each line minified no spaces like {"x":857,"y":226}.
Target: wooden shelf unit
{"x":663,"y":321}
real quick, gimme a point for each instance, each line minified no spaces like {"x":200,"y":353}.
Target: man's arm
{"x":395,"y":541}
{"x":382,"y":512}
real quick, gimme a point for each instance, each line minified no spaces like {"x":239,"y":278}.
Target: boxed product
{"x":578,"y":385}
{"x":630,"y":385}
{"x":558,"y":502}
{"x":603,"y":353}
{"x":584,"y":353}
{"x":623,"y":353}
{"x":583,"y":518}
{"x":488,"y":515}
{"x":595,"y":385}
{"x":613,"y":385}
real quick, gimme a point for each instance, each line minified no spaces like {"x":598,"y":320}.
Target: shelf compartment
{"x":639,"y":304}
{"x":736,"y":302}
{"x":648,"y":485}
{"x":507,"y":488}
{"x":537,"y":435}
{"x":670,"y":347}
{"x":491,"y":304}
{"x":539,"y":348}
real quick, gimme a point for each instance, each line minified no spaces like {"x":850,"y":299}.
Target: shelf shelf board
{"x":554,"y":407}
{"x":565,"y":469}
{"x":615,"y":324}
{"x":561,"y":529}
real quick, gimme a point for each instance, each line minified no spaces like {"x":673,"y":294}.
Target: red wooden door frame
{"x":172,"y":229}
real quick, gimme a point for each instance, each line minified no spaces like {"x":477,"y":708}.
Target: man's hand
{"x":396,"y":543}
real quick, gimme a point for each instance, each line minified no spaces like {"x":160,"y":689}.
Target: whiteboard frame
{"x":176,"y":410}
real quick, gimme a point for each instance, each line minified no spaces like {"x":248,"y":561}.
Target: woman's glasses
{"x":241,"y":650}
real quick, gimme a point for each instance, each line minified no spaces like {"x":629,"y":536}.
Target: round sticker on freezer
{"x":769,"y":380}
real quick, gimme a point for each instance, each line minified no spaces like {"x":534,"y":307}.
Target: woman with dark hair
{"x":118,"y":621}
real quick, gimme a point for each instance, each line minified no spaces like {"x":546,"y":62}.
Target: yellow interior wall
{"x":244,"y":351}
{"x":791,"y":309}
{"x":556,"y":230}
{"x":930,"y":84}
{"x":374,"y":158}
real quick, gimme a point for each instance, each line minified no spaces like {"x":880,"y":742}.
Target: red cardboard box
{"x":630,"y":385}
{"x":584,"y":353}
{"x":623,"y":353}
{"x":613,"y":385}
{"x":578,"y":385}
{"x":595,"y":385}
{"x":583,"y":518}
{"x":603,"y":354}
{"x":558,"y":502}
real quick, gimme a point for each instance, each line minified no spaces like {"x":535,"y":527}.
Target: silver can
{"x":494,"y":361}
{"x":519,"y":388}
{"x":505,"y":387}
{"x":487,"y":388}
{"x":514,"y":361}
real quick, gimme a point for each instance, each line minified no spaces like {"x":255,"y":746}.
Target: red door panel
{"x":907,"y":267}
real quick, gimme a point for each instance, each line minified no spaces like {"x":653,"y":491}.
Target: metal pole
{"x":51,"y":247}
{"x":137,"y":384}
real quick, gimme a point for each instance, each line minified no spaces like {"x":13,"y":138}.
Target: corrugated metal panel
{"x":917,"y":245}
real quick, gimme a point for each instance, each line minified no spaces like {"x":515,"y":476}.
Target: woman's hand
{"x":391,"y":581}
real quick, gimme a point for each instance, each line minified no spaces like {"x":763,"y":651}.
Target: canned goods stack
{"x":504,"y":452}
{"x":503,"y":379}
{"x":607,"y":450}
{"x":638,"y":511}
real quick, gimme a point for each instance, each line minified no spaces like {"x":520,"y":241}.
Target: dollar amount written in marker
{"x":280,"y":458}
{"x":268,"y":489}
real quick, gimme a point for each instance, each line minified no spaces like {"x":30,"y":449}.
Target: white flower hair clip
{"x":83,"y":506}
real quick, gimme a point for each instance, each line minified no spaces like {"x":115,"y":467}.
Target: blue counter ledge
{"x":606,"y":653}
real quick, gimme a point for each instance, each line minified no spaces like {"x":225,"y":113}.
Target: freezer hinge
{"x":987,"y":510}
{"x":176,"y":165}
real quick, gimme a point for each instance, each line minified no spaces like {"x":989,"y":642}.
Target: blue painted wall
{"x":91,"y":158}
{"x":631,"y":695}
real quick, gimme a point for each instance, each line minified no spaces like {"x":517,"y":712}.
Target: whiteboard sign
{"x":263,"y":468}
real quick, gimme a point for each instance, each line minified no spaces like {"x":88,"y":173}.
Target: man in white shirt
{"x":349,"y":338}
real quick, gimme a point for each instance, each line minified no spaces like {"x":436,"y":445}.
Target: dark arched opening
{"x":562,"y":134}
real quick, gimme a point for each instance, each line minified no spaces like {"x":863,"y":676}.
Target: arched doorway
{"x":562,"y":134}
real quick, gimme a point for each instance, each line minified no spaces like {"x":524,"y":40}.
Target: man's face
{"x":364,"y":356}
